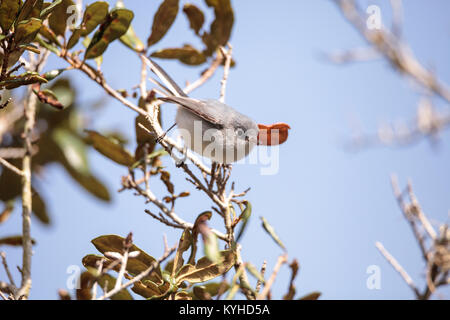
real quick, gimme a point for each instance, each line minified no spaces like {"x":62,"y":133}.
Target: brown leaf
{"x":186,"y":54}
{"x":183,"y":245}
{"x":165,"y":177}
{"x":220,"y":29}
{"x":311,"y":296}
{"x":136,"y":265}
{"x":206,"y":270}
{"x":86,"y":282}
{"x":195,"y":16}
{"x":110,"y":148}
{"x":291,"y":291}
{"x":163,"y":20}
{"x":146,"y":289}
{"x":107,"y":281}
{"x":48,"y":97}
{"x":4,"y":215}
{"x":13,"y":241}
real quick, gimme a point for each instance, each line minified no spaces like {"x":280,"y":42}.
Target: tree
{"x":44,"y":29}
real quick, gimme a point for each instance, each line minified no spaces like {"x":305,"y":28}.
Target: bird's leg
{"x":159,"y":139}
{"x":179,"y":162}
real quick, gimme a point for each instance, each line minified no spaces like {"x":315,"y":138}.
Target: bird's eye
{"x":240,"y":132}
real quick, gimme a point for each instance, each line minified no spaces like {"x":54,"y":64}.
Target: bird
{"x":213,"y":129}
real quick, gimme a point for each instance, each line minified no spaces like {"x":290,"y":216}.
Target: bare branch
{"x":11,"y":167}
{"x":226,"y":71}
{"x":5,"y":265}
{"x":265,"y":292}
{"x":398,"y":268}
{"x":205,"y":75}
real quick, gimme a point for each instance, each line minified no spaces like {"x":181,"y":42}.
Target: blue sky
{"x":328,"y":205}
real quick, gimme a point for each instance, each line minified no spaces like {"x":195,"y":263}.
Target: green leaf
{"x":22,"y":80}
{"x":110,"y":148}
{"x":47,"y":45}
{"x":220,"y":29}
{"x":37,"y":8}
{"x":30,"y":47}
{"x":49,"y":7}
{"x":252,"y":269}
{"x":187,"y":55}
{"x":63,"y":92}
{"x":27,"y":30}
{"x":27,"y":9}
{"x":205,"y":269}
{"x":132,"y":41}
{"x":89,"y":182}
{"x":8,"y":13}
{"x":211,"y":247}
{"x":155,"y":154}
{"x":195,"y":16}
{"x":271,"y":231}
{"x":13,"y":241}
{"x":73,"y":148}
{"x":49,"y":34}
{"x":244,"y":217}
{"x":60,"y":16}
{"x":94,"y":14}
{"x":107,"y":281}
{"x":114,"y":27}
{"x":74,"y":38}
{"x":52,"y":74}
{"x":114,"y":243}
{"x":163,"y":20}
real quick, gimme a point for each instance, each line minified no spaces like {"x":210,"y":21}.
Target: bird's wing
{"x":198,"y":107}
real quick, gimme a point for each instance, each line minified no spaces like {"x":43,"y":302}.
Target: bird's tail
{"x":169,"y":84}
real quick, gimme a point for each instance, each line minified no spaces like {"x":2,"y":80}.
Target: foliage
{"x":63,"y":138}
{"x":169,"y":283}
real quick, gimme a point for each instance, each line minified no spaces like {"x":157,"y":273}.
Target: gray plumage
{"x":210,"y":127}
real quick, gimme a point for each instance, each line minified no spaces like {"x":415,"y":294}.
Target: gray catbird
{"x":214,"y":129}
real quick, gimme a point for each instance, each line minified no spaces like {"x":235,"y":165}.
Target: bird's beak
{"x":274,"y":134}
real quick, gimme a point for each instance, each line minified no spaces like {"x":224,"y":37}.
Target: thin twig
{"x":281,"y":260}
{"x":396,"y":265}
{"x":30,"y":119}
{"x":403,"y":207}
{"x":396,"y":52}
{"x":11,"y":167}
{"x":226,"y":71}
{"x":5,"y":265}
{"x":262,"y":272}
{"x":243,"y":278}
{"x":205,"y":75}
